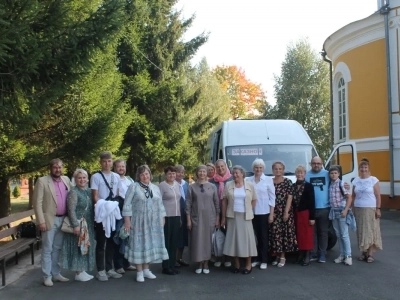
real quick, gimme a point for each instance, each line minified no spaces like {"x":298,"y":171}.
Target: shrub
{"x":16,"y":191}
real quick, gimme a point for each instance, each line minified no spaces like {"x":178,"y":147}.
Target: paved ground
{"x":379,"y":280}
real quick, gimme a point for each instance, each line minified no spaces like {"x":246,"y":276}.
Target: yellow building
{"x":365,"y":57}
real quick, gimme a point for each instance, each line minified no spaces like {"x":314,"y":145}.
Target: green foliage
{"x":302,"y":94}
{"x":16,"y":191}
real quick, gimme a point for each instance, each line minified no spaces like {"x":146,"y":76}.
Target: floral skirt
{"x":368,"y":229}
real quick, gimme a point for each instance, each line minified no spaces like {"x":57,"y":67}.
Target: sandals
{"x":370,"y":259}
{"x":363,"y":257}
{"x":282,"y":262}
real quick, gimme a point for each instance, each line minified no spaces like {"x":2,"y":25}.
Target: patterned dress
{"x":73,"y":259}
{"x":282,"y":234}
{"x":146,"y":240}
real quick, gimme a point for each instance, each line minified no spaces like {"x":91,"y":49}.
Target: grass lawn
{"x":19,"y":204}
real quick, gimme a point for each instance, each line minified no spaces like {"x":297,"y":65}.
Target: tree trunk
{"x":5,"y":201}
{"x":30,"y":182}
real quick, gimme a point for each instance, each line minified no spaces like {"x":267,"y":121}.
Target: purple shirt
{"x":61,"y":196}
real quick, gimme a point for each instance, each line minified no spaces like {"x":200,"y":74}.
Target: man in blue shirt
{"x":319,"y":178}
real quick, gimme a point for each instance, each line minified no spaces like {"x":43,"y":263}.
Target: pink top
{"x":61,"y":196}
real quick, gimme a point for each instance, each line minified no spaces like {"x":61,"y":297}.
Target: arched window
{"x":341,"y":80}
{"x":341,"y":91}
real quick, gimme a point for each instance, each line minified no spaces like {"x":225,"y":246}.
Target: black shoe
{"x":235,"y":270}
{"x":168,"y":271}
{"x":245,"y":271}
{"x":176,"y":271}
{"x":183,"y":263}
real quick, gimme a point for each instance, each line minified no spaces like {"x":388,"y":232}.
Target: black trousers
{"x":104,"y":249}
{"x":171,"y":235}
{"x":261,"y":229}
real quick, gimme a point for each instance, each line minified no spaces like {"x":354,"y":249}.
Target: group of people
{"x":138,"y":223}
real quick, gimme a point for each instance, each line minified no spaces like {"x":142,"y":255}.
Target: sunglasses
{"x":202,"y":188}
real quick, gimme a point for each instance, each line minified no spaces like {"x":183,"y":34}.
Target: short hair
{"x":179,"y":168}
{"x":300,"y":168}
{"x":278,"y":162}
{"x":141,"y":169}
{"x":55,"y":161}
{"x":201,"y":167}
{"x":240,"y":168}
{"x":169,"y":169}
{"x":80,"y":171}
{"x":258,"y":162}
{"x":105,"y":155}
{"x":334,"y":168}
{"x":220,"y":160}
{"x":322,"y":161}
{"x":119,"y":160}
{"x":210,"y":165}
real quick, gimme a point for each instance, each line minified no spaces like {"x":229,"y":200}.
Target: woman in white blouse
{"x":367,"y":210}
{"x":263,"y":212}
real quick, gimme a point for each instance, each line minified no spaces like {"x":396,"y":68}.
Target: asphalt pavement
{"x":378,"y":280}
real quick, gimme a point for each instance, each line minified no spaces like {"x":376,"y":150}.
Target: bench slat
{"x":15,"y":246}
{"x":7,"y":232}
{"x":16,"y":217}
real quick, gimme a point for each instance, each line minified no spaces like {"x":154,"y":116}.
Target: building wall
{"x":367,"y":90}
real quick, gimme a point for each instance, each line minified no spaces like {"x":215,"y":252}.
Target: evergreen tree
{"x":47,"y":51}
{"x":302,"y":93}
{"x":154,"y":60}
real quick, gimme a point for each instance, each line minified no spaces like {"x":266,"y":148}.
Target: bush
{"x":16,"y":191}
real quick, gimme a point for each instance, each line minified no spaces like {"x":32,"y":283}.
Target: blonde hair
{"x":300,"y":168}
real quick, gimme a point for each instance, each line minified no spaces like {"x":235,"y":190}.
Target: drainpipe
{"x":385,"y":12}
{"x":323,"y":53}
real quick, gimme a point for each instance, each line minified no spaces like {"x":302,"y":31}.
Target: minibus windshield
{"x":291,"y":155}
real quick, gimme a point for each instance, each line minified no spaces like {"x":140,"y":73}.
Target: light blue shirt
{"x":320,"y":182}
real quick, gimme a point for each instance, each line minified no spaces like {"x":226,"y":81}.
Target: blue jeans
{"x":342,"y":233}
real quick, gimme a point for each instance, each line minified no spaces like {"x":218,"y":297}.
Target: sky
{"x":254,"y":34}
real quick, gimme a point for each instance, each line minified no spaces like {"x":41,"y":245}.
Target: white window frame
{"x":342,"y":71}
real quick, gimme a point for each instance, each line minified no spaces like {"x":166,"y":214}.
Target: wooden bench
{"x":13,"y":247}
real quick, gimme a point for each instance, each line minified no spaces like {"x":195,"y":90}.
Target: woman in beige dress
{"x":202,"y":210}
{"x":367,"y":211}
{"x":237,"y":212}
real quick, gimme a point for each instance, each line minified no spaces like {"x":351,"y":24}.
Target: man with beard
{"x":50,"y":205}
{"x":120,"y":263}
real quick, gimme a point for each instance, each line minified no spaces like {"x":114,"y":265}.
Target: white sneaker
{"x":348,"y":261}
{"x":217,"y":264}
{"x":206,"y":271}
{"x":102,"y":276}
{"x":60,"y":278}
{"x":82,"y":277}
{"x":263,"y":266}
{"x":120,"y":271}
{"x":339,"y":260}
{"x":227,"y":264}
{"x":255,"y":264}
{"x":88,"y":275}
{"x":111,"y":273}
{"x":131,"y":268}
{"x":148,"y":274}
{"x":198,"y":271}
{"x":139,"y":277}
{"x":48,"y":282}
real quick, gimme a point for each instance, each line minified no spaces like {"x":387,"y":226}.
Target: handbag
{"x":27,"y":230}
{"x":218,"y":241}
{"x":66,"y":224}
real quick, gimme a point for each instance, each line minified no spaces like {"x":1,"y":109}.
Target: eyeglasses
{"x":316,"y":164}
{"x":202,"y":188}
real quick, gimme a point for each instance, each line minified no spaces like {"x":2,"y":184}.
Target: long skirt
{"x":304,"y":231}
{"x":368,"y":229}
{"x":240,"y":240}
